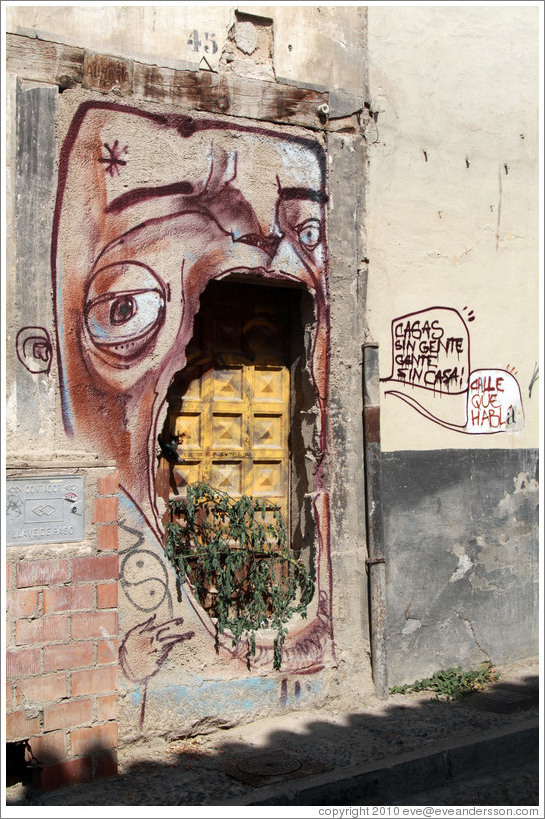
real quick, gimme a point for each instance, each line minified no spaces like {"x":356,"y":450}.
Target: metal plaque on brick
{"x":44,"y":510}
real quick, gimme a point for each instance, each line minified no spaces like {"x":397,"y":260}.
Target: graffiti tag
{"x":145,"y":649}
{"x":430,"y":351}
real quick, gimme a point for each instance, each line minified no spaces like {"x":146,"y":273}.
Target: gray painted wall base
{"x":461,"y":547}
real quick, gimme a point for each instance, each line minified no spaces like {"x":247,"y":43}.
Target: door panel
{"x":230,"y":406}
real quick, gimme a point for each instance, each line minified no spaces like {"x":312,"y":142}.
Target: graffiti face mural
{"x":150,"y":209}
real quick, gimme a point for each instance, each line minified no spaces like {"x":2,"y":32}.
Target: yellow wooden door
{"x":230,"y":405}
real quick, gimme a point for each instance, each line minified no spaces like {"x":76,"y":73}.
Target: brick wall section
{"x":62,"y":652}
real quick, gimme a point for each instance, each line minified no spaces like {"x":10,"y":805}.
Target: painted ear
{"x":34,"y":349}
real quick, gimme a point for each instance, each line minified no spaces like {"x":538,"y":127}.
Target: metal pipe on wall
{"x":375,"y":539}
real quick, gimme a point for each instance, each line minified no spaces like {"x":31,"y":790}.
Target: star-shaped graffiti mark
{"x":113,"y":159}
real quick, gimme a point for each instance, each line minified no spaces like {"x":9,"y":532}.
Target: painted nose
{"x":268,"y":244}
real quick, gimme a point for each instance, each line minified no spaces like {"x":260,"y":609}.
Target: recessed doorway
{"x":236,"y":407}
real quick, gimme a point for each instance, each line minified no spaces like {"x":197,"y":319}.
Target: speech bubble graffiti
{"x":430,"y":349}
{"x":494,"y":402}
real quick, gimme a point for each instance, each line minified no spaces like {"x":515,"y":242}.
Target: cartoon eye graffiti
{"x":310,"y":233}
{"x":124,"y":308}
{"x":124,"y":316}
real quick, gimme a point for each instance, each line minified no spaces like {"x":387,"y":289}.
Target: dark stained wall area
{"x":461,"y":545}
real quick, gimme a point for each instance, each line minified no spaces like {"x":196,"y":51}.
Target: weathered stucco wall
{"x":453,"y":223}
{"x":453,"y":301}
{"x":405,"y":209}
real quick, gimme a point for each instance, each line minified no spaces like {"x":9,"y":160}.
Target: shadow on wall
{"x":47,"y":771}
{"x":239,"y":773}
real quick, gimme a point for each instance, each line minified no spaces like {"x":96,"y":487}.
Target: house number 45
{"x":209,"y":44}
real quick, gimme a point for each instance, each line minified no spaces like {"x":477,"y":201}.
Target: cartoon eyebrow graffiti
{"x":308,"y":194}
{"x":137,"y":195}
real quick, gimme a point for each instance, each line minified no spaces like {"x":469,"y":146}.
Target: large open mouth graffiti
{"x":150,"y":210}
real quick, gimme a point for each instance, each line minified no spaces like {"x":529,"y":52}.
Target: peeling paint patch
{"x":525,"y":489}
{"x":523,"y":483}
{"x":480,"y":582}
{"x":412,"y":625}
{"x":228,"y":698}
{"x":463,"y":567}
{"x":246,"y":37}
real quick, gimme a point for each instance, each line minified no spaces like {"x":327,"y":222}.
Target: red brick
{"x":10,"y":633}
{"x":40,"y":689}
{"x":106,"y":764}
{"x":47,"y":748}
{"x":101,"y":567}
{"x":69,"y":598}
{"x":42,"y":572}
{"x":107,"y":652}
{"x":89,"y":624}
{"x":22,"y":663}
{"x":105,"y":510}
{"x":64,"y":773}
{"x":68,"y":714}
{"x":89,"y":740}
{"x":19,"y":726}
{"x":23,"y":603}
{"x":42,"y":630}
{"x":107,"y":537}
{"x":108,"y":485}
{"x":107,"y":596}
{"x":107,"y":707}
{"x":9,"y":695}
{"x":8,"y":577}
{"x":94,"y":681}
{"x":74,"y":655}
